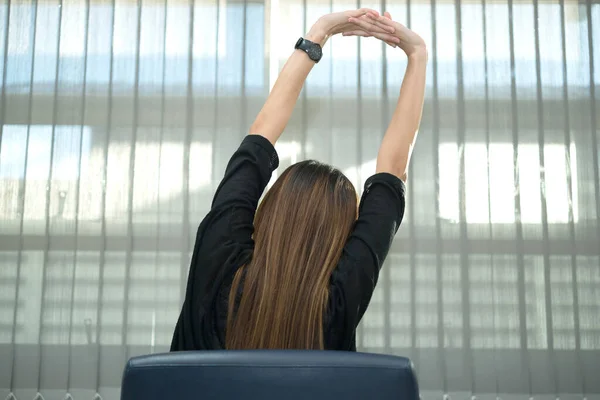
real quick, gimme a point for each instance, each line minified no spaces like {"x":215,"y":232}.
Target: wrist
{"x":317,"y":34}
{"x":419,"y":54}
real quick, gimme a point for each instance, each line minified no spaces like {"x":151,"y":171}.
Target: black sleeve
{"x":353,"y":281}
{"x":224,"y":236}
{"x":233,"y":207}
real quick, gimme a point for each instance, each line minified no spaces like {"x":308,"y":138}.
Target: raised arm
{"x":399,"y":140}
{"x":397,"y":145}
{"x":275,"y":114}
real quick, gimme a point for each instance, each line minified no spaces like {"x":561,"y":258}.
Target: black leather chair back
{"x":269,"y":374}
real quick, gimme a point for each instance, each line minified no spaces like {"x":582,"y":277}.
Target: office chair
{"x":269,"y":374}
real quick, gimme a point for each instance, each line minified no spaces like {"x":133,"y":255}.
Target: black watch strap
{"x":313,"y":49}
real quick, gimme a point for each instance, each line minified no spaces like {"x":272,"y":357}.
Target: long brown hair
{"x":300,"y":229}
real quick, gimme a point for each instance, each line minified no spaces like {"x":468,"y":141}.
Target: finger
{"x":362,"y":23}
{"x":383,"y":19}
{"x":378,"y":21}
{"x":386,"y":37}
{"x":365,"y":26}
{"x":384,"y":23}
{"x":361,"y":12}
{"x":357,"y":33}
{"x":366,"y":34}
{"x":391,"y":44}
{"x":387,"y":15}
{"x":369,"y":24}
{"x":372,"y":26}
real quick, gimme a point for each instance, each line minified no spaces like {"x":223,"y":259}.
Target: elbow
{"x":394,"y":164}
{"x":260,"y":123}
{"x":399,"y":171}
{"x":402,"y":175}
{"x":264,"y":131}
{"x":256,"y":128}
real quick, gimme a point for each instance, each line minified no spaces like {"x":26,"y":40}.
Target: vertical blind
{"x":117,"y":118}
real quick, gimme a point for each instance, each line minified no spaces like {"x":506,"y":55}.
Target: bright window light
{"x":490,"y":190}
{"x":67,"y":143}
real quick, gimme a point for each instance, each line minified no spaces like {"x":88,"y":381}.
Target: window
{"x":490,"y":187}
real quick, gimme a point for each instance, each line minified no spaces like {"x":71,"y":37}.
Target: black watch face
{"x":314,"y":52}
{"x":298,"y":43}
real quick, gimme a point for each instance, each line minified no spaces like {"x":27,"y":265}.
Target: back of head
{"x":301,"y":227}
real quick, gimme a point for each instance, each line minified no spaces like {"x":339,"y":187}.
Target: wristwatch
{"x":313,"y":50}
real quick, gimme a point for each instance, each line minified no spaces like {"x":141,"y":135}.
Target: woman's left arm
{"x":277,"y":110}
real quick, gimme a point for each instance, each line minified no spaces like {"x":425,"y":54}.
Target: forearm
{"x":277,"y":110}
{"x":397,"y":145}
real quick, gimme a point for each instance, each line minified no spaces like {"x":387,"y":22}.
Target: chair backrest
{"x":269,"y":374}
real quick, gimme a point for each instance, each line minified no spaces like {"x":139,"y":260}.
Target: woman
{"x":299,"y":272}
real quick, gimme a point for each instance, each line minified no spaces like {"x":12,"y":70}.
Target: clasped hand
{"x":367,"y":23}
